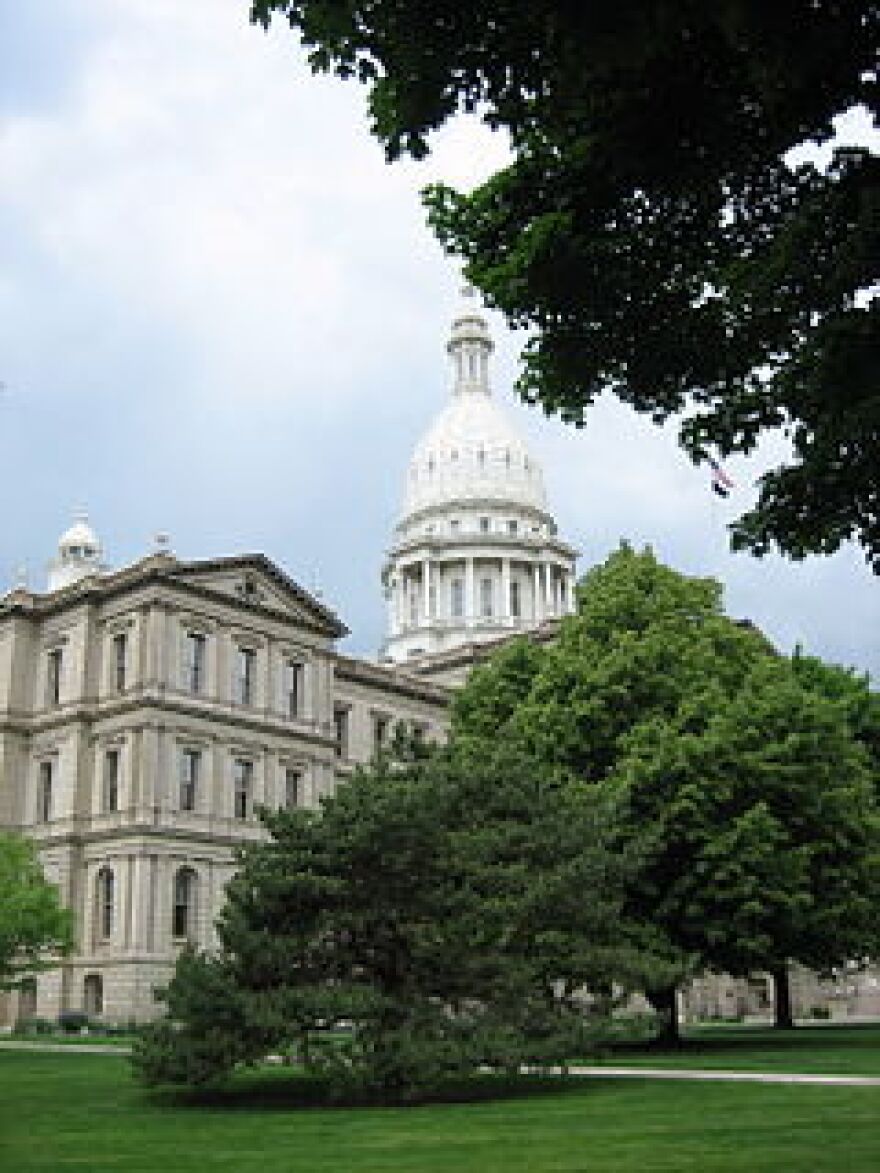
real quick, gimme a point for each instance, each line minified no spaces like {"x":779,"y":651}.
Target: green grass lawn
{"x":84,"y":1112}
{"x":824,"y":1050}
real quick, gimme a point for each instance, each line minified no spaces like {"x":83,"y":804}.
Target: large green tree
{"x":34,"y":929}
{"x":654,"y":230}
{"x":742,"y":783}
{"x":440,"y":913}
{"x":760,"y":830}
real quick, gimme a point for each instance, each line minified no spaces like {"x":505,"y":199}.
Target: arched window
{"x":93,"y":993}
{"x":106,"y":902}
{"x":184,"y":916}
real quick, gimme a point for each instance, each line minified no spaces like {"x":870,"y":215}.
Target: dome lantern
{"x":469,"y":347}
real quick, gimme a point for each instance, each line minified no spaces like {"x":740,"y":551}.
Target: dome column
{"x":426,"y":590}
{"x":470,"y":610}
{"x":505,"y":592}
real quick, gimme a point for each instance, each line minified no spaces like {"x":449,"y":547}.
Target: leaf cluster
{"x":34,"y":929}
{"x":654,"y":230}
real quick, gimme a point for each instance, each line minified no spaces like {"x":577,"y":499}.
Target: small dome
{"x":80,"y":538}
{"x":79,"y":554}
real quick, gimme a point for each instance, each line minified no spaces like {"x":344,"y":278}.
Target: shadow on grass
{"x":730,"y":1040}
{"x":282,"y":1091}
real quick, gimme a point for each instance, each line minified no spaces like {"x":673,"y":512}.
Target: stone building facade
{"x":145,"y":716}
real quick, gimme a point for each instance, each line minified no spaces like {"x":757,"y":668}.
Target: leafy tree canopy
{"x":744,"y":780}
{"x":652,"y":230}
{"x":33,"y":927}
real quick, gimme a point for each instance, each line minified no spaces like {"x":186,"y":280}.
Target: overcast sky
{"x":222,"y":315}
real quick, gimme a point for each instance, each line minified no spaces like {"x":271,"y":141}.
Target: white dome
{"x":472,"y":452}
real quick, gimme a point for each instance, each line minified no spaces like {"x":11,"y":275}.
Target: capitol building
{"x":148,"y":712}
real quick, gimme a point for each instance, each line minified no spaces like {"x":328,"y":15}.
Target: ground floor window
{"x":93,"y":994}
{"x":27,"y":998}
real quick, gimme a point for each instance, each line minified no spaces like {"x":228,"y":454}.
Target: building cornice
{"x":164,"y":570}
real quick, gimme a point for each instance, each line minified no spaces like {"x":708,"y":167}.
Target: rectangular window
{"x":106,"y":902}
{"x":515,"y":599}
{"x":414,"y":605}
{"x":340,"y":723}
{"x":484,"y":525}
{"x":512,"y":528}
{"x":486,"y":598}
{"x":119,"y":658}
{"x":456,"y":598}
{"x":53,"y":677}
{"x":243,"y":773}
{"x":190,"y":766}
{"x":381,"y":725}
{"x":294,"y":675}
{"x":44,"y":793}
{"x":194,"y":662}
{"x":245,"y":676}
{"x":454,"y":526}
{"x":111,"y":780}
{"x":292,"y":788}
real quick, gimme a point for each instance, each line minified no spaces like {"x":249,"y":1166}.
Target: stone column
{"x":217,"y":806}
{"x":148,"y":798}
{"x":392,"y":608}
{"x":470,"y":611}
{"x":537,"y":609}
{"x":140,"y":908}
{"x":426,"y":590}
{"x":504,"y":609}
{"x":548,"y":600}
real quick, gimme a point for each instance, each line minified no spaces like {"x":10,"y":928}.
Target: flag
{"x":721,"y":482}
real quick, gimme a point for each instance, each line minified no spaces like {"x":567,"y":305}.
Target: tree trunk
{"x":665,"y":1002}
{"x":783,"y":1017}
